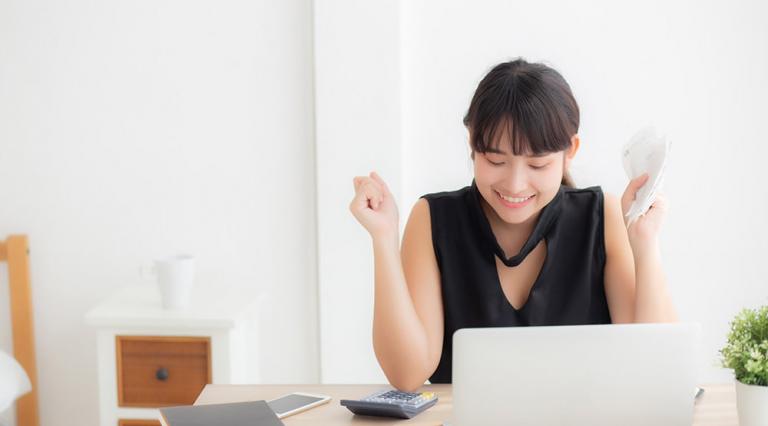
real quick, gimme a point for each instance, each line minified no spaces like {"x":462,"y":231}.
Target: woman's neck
{"x":510,"y":236}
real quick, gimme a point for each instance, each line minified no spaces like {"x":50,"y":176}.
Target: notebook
{"x":252,"y":413}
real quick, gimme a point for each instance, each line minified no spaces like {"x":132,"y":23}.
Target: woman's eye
{"x":537,"y":167}
{"x":493,"y":162}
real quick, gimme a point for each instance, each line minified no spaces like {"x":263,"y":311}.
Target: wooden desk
{"x":716,"y":407}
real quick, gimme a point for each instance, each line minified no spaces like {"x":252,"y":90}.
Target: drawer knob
{"x":162,"y":374}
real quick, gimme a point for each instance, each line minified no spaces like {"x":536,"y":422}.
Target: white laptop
{"x":627,"y":375}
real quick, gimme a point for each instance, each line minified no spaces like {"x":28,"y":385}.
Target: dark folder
{"x":252,"y":413}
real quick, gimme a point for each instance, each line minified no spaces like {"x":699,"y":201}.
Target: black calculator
{"x":391,"y":403}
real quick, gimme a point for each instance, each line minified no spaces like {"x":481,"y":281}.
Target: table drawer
{"x":157,"y":371}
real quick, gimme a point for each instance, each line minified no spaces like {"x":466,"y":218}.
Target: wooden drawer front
{"x":139,"y":423}
{"x":161,"y":371}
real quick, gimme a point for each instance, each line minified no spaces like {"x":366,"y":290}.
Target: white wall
{"x":135,"y":129}
{"x":358,"y":130}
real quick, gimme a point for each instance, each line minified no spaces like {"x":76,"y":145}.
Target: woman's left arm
{"x":635,"y":285}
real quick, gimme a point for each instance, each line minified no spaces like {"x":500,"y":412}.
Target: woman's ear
{"x":469,"y":142}
{"x":571,"y":152}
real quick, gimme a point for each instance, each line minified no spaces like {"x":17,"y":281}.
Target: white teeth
{"x":515,"y":199}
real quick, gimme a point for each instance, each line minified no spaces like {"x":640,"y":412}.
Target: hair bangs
{"x":527,"y":107}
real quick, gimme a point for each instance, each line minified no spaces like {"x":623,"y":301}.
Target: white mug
{"x":175,"y":278}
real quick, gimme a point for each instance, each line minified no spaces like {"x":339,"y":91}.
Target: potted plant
{"x":746,"y":353}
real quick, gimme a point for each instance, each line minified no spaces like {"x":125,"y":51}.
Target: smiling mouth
{"x":514,"y":200}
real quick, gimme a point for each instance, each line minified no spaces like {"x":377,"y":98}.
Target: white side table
{"x":149,"y":357}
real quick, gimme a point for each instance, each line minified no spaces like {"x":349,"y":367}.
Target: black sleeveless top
{"x":569,"y":289}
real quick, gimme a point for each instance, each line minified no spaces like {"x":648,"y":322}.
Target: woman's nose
{"x":516,"y":180}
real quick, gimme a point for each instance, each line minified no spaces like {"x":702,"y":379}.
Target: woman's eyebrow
{"x":501,"y":151}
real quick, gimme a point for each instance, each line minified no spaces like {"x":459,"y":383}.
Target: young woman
{"x":520,"y":246}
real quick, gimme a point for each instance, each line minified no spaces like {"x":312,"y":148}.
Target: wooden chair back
{"x":15,"y":251}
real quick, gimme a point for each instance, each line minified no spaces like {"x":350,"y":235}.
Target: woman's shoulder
{"x":610,"y":203}
{"x":449,"y":203}
{"x":456,"y":194}
{"x":589,"y":198}
{"x":607,"y":207}
{"x":590,"y":191}
{"x":446,"y":207}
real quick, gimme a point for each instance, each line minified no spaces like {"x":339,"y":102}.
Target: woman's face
{"x":517,"y":187}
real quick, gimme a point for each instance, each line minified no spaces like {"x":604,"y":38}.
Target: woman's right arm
{"x":408,"y":311}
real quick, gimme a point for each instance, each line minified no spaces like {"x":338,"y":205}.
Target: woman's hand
{"x":644,"y":231}
{"x":374,"y":207}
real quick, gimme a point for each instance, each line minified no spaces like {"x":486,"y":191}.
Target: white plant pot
{"x":752,"y":403}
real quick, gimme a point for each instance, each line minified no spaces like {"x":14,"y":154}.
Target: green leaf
{"x":746,"y":350}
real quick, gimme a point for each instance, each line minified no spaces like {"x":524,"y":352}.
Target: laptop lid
{"x":628,"y":374}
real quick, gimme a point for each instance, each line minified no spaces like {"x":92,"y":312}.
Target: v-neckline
{"x":544,"y":222}
{"x":534,"y":286}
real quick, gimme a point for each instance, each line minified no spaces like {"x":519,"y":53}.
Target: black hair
{"x":533,"y":101}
